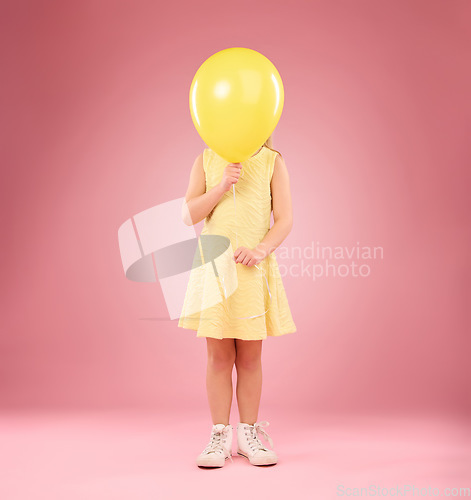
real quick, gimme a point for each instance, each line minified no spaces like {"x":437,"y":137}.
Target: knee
{"x":221,"y":360}
{"x":248,"y":361}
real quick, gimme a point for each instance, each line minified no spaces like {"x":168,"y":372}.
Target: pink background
{"x":101,"y":395}
{"x":375,"y":133}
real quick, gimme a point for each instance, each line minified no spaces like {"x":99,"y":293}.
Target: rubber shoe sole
{"x":209,"y":463}
{"x":259,"y":460}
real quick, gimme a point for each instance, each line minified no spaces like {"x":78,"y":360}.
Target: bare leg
{"x":249,"y":379}
{"x":221,"y":357}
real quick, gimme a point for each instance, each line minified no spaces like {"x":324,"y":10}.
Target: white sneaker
{"x":219,"y":448}
{"x":250,"y":446}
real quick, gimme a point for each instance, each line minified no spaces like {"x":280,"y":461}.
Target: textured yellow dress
{"x":235,"y":300}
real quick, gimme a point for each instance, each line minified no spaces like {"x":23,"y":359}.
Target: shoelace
{"x":257,"y":429}
{"x":216,"y":444}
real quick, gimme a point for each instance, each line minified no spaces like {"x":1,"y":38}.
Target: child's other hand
{"x":248,"y":256}
{"x":230,"y":176}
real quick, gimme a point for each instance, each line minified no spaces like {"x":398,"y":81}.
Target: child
{"x":236,"y":201}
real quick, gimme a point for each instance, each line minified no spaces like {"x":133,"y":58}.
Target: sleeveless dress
{"x":228,"y":300}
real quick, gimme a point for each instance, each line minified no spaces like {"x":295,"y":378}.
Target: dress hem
{"x":264,"y":336}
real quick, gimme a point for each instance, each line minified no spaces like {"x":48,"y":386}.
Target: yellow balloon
{"x":236,"y":101}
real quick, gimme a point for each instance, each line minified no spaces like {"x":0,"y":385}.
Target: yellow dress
{"x":240,"y":306}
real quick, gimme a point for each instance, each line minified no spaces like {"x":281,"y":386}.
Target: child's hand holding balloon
{"x":230,"y":176}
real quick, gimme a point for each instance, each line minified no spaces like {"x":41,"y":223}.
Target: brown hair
{"x":269,"y":144}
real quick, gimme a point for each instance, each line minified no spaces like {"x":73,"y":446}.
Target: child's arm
{"x":199,"y":202}
{"x":282,"y":217}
